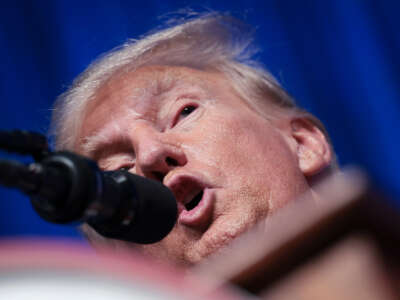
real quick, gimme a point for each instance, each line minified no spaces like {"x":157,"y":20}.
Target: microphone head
{"x":148,"y":211}
{"x":156,"y":211}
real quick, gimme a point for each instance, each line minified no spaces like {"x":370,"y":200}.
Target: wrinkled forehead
{"x":152,"y":82}
{"x":144,"y":91}
{"x":143,"y":84}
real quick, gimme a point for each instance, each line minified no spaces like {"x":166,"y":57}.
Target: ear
{"x":313,"y":150}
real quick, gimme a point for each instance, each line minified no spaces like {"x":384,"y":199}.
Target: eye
{"x":184,"y":112}
{"x":187,"y":110}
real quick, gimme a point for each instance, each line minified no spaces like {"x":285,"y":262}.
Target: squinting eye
{"x":187,"y":110}
{"x":184,"y":112}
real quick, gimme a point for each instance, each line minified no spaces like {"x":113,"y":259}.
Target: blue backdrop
{"x":339,"y":58}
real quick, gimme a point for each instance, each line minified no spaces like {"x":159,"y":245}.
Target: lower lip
{"x":201,"y":214}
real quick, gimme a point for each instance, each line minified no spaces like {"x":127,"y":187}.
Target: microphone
{"x":25,"y":142}
{"x":65,"y":187}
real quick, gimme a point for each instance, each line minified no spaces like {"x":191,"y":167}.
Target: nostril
{"x":171,"y":161}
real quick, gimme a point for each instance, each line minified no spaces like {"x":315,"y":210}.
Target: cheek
{"x":255,"y":157}
{"x":242,"y":149}
{"x":208,"y":143}
{"x":247,"y":147}
{"x":228,"y":143}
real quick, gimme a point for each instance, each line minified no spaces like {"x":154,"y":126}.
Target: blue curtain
{"x":339,"y":59}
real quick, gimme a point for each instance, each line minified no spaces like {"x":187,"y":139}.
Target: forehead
{"x":142,"y":86}
{"x":146,"y":89}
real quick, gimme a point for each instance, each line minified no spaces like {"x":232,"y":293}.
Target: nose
{"x":157,"y":153}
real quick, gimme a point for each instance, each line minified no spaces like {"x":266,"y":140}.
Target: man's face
{"x":228,"y":166}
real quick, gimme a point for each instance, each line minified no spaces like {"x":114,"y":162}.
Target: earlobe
{"x":313,"y":150}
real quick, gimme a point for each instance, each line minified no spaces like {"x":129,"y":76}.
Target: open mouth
{"x":198,"y":211}
{"x":194,"y":202}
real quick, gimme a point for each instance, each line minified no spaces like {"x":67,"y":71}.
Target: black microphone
{"x":25,"y":142}
{"x":65,"y":187}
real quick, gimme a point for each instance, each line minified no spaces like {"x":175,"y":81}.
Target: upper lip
{"x":185,"y":188}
